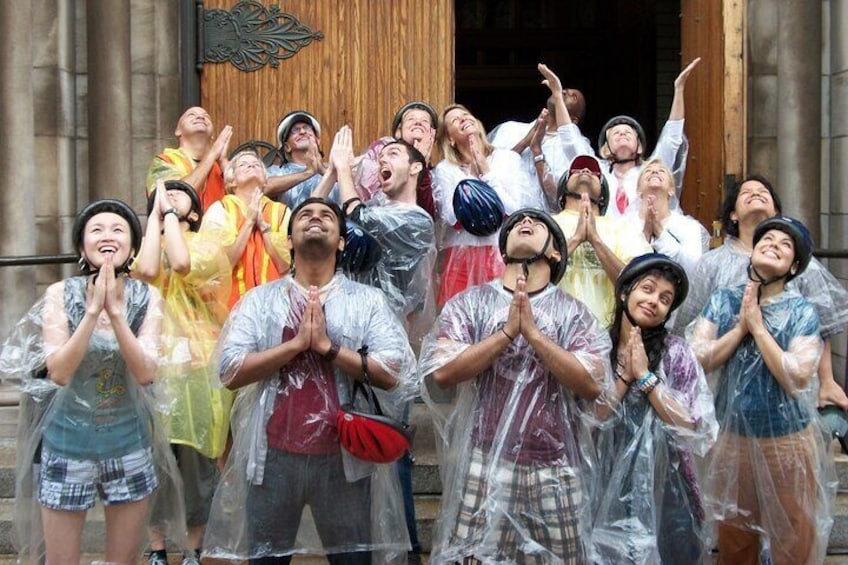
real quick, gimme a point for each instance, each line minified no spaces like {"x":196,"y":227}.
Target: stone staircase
{"x":426,"y":485}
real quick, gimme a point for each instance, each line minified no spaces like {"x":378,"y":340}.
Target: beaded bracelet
{"x":647,"y":383}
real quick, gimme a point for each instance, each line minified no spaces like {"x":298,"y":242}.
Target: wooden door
{"x":375,"y":55}
{"x":715,"y":102}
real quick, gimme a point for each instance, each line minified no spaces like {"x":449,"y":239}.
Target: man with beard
{"x":598,"y":246}
{"x":299,"y":134}
{"x":296,"y":346}
{"x":199,"y":160}
{"x":401,"y":227}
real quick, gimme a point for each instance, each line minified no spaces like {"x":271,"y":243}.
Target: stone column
{"x":17,"y":198}
{"x":799,"y":67}
{"x":109,"y":99}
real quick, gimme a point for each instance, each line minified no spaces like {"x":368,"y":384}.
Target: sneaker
{"x":156,"y":559}
{"x":191,"y":561}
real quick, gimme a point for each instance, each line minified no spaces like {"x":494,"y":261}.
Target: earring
{"x":83,"y":264}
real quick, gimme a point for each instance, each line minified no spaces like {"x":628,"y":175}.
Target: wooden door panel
{"x":715,"y":101}
{"x":375,"y":56}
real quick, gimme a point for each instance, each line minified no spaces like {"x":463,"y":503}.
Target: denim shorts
{"x":71,"y":484}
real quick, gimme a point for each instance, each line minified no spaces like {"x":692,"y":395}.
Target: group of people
{"x":621,"y":394}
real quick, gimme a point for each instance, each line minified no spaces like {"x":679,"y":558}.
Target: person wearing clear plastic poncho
{"x":651,"y":509}
{"x":666,"y":228}
{"x":746,"y":204}
{"x":404,"y":232}
{"x":770,"y":480}
{"x":467,"y":259}
{"x":291,"y":346}
{"x":515,"y":450}
{"x":84,"y":356}
{"x":401,"y":227}
{"x":193,"y":275}
{"x":622,"y":143}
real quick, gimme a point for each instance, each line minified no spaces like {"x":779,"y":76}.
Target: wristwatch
{"x":539,"y":158}
{"x":173,"y":211}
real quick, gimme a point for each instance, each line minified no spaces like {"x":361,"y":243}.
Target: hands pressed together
{"x":520,"y":320}
{"x":312,"y":334}
{"x":103,"y":293}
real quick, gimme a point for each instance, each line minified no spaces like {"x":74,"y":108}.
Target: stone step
{"x":426,"y":511}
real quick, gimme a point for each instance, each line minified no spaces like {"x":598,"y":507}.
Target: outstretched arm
{"x":677,"y":103}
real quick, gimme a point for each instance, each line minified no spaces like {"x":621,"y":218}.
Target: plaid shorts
{"x":70,"y":484}
{"x":529,"y":516}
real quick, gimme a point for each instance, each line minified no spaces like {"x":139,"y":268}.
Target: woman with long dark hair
{"x":651,"y":510}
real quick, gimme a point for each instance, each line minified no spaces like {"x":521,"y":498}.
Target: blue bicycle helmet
{"x":800,"y":236}
{"x":361,"y":252}
{"x":478,"y":207}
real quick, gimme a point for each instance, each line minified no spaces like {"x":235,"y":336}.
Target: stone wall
{"x":835,"y":149}
{"x":46,"y":100}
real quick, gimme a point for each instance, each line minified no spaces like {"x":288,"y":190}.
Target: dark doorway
{"x":623,"y":55}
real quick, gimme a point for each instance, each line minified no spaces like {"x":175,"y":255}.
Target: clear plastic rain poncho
{"x":469,"y":260}
{"x":102,"y":413}
{"x":672,"y":147}
{"x":727,"y":266}
{"x":585,"y":277}
{"x":770,"y":472}
{"x":650,"y":507}
{"x":194,"y":405}
{"x":516,"y":456}
{"x":287,"y":478}
{"x":405,"y":270}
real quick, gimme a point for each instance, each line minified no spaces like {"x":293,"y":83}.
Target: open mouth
{"x":110,"y":249}
{"x":385,"y":173}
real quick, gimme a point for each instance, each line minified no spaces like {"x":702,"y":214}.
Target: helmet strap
{"x":578,"y":196}
{"x":525,"y":263}
{"x":755,"y":276}
{"x":613,"y":160}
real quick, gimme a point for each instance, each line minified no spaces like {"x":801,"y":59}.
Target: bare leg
{"x":62,"y":535}
{"x":124,"y":525}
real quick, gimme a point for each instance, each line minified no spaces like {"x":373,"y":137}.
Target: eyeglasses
{"x":585,"y":170}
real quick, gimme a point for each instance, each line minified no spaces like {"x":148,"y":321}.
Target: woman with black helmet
{"x":651,"y":511}
{"x":193,"y":275}
{"x":770,"y":480}
{"x":86,"y":353}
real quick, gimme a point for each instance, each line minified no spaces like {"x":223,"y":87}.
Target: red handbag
{"x":370,"y":435}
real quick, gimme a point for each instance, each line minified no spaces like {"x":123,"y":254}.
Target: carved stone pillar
{"x":799,"y":78}
{"x":109,"y":99}
{"x":17,"y":198}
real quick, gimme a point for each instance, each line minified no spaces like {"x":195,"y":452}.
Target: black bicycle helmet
{"x":627,"y":120}
{"x":554,"y":233}
{"x":113,"y":206}
{"x":643,"y":264}
{"x":196,"y":206}
{"x":417,"y":105}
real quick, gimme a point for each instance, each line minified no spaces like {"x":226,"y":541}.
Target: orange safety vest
{"x":212,"y":190}
{"x":255,"y":265}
